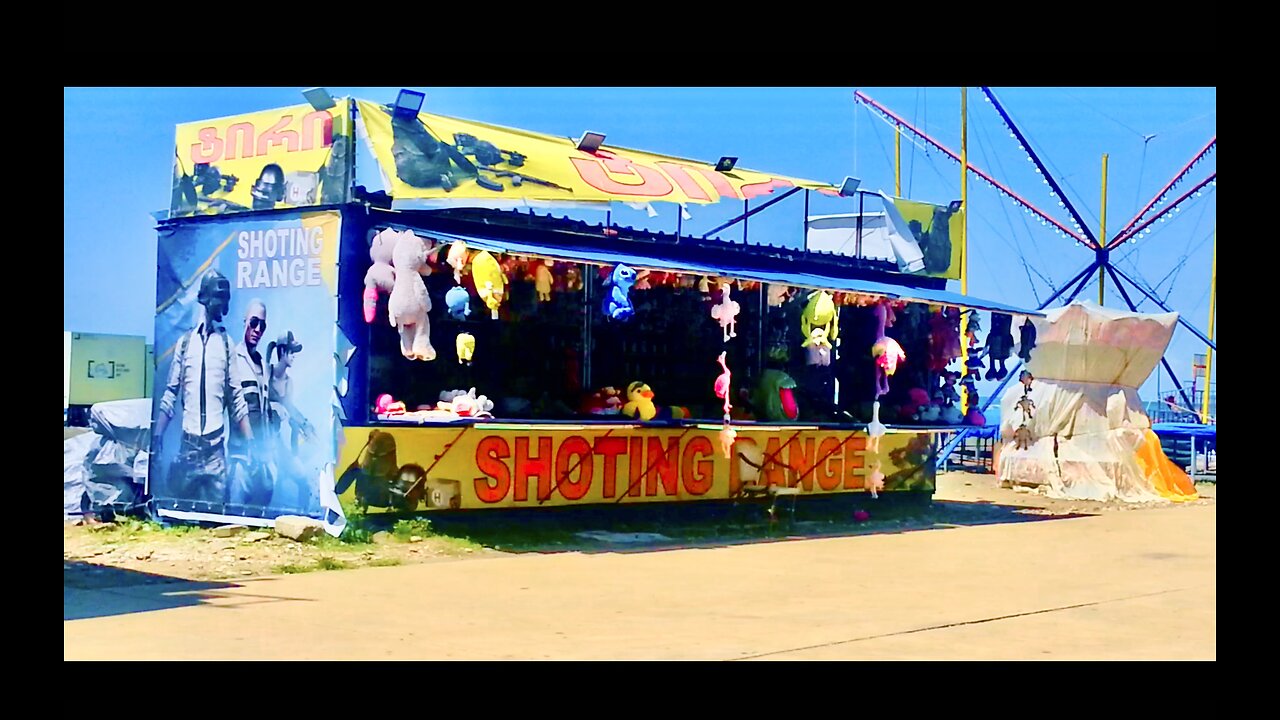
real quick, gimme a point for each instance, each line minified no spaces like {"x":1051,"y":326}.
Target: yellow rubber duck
{"x":491,"y":284}
{"x":640,"y":402}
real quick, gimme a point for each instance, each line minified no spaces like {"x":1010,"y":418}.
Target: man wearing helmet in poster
{"x":203,"y":376}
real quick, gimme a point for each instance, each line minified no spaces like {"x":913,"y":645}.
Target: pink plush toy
{"x":409,"y":303}
{"x":722,"y":384}
{"x":887,"y":352}
{"x":388,"y":405}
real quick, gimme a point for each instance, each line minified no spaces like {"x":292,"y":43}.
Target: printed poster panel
{"x":290,"y":157}
{"x":245,"y":324}
{"x":936,"y":229}
{"x":105,"y":367}
{"x":405,"y":469}
{"x":433,"y":157}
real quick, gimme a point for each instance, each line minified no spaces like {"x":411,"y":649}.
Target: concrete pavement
{"x":1120,"y":585}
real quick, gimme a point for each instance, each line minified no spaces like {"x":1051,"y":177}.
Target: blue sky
{"x":118,"y":150}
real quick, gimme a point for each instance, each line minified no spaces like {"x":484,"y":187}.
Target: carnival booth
{"x":432,"y":342}
{"x":1074,"y":426}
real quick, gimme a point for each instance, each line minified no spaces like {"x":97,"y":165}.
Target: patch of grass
{"x":385,"y":562}
{"x":292,"y":569}
{"x":329,"y":563}
{"x":405,"y":529}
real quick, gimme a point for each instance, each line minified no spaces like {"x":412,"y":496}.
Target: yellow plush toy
{"x":640,"y":402}
{"x":820,"y":312}
{"x":466,"y":343}
{"x":490,"y":282}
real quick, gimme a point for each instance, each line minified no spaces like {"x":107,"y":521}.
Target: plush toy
{"x":617,"y":303}
{"x":773,"y":398}
{"x":704,"y":285}
{"x":466,"y":403}
{"x":387,"y":405}
{"x":642,"y":280}
{"x":886,"y":351}
{"x":381,"y":276}
{"x":459,"y":302}
{"x":1026,"y":405}
{"x":640,"y":402}
{"x":950,"y":415}
{"x":572,"y":278}
{"x":727,"y":437}
{"x":948,"y":393}
{"x":875,"y":429}
{"x":722,"y":384}
{"x":466,"y":344}
{"x":916,"y":406}
{"x":606,"y":401}
{"x":944,"y":338}
{"x":542,"y":280}
{"x":1022,"y":438}
{"x":1026,"y":378}
{"x":777,"y":294}
{"x":999,"y":345}
{"x":457,"y":259}
{"x":820,"y":312}
{"x":931,"y":413}
{"x":819,"y":348}
{"x":875,"y":479}
{"x":1027,"y":340}
{"x":491,"y":284}
{"x":726,"y":312}
{"x":410,"y":303}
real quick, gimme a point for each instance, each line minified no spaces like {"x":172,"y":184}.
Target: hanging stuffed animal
{"x":1022,"y":438}
{"x":777,"y":294}
{"x":1027,"y":340}
{"x":999,"y":345}
{"x":726,"y":312}
{"x":820,"y":312}
{"x":459,"y":302}
{"x":722,"y":384}
{"x":642,"y":280}
{"x":491,"y":284}
{"x":944,"y":338}
{"x":466,"y":345}
{"x":410,"y":304}
{"x":819,"y":347}
{"x":875,"y":429}
{"x":886,"y":351}
{"x":542,"y":280}
{"x":457,"y":259}
{"x":381,"y":276}
{"x":727,"y":437}
{"x":1026,"y":405}
{"x":572,"y":278}
{"x":617,"y":303}
{"x":1026,"y":378}
{"x":875,"y":479}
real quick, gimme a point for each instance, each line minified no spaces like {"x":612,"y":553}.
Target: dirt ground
{"x":90,"y":550}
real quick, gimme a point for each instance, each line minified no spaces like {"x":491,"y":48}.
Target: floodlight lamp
{"x":955,"y":205}
{"x":319,"y":98}
{"x":849,"y":187}
{"x":408,"y":104}
{"x":590,"y":141}
{"x":726,"y":164}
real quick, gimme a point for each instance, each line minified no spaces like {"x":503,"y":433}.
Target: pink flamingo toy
{"x":722,"y":384}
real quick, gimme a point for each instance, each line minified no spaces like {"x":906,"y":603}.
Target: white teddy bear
{"x":409,"y":303}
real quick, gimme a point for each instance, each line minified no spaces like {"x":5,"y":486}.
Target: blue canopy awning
{"x":649,"y":258}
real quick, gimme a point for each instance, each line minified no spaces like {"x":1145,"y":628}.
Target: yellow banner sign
{"x":936,"y":228}
{"x":434,"y":157}
{"x":290,"y":157}
{"x":475,"y":467}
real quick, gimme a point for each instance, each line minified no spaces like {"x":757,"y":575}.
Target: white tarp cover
{"x":1088,"y":424}
{"x":884,"y":236}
